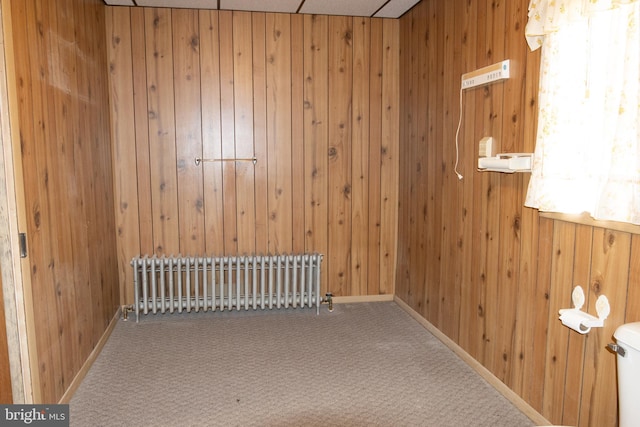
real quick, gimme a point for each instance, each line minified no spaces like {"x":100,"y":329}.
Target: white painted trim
{"x":501,"y":387}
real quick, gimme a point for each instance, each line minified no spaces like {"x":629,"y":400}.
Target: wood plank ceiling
{"x":371,"y":8}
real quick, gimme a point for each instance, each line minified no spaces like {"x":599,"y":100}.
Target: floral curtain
{"x":587,"y":156}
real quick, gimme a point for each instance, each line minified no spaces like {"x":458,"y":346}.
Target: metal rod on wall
{"x":200,"y":160}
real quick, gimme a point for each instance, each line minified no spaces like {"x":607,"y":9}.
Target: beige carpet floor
{"x":366,"y":364}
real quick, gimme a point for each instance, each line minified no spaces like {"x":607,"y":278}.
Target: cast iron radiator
{"x":176,"y":284}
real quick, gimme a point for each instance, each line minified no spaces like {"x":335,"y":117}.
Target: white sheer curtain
{"x":587,"y":156}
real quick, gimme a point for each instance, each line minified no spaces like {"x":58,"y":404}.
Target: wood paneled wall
{"x":314,"y":98}
{"x":472,"y":260}
{"x":62,"y":106}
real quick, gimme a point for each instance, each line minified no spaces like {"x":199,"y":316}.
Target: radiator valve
{"x":125,"y":311}
{"x":328,"y":298}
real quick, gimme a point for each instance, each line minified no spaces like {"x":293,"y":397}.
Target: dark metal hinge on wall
{"x":22,"y":237}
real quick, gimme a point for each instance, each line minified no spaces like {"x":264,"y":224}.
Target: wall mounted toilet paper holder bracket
{"x":580,"y":321}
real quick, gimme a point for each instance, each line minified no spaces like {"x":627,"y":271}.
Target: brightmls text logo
{"x":34,"y":415}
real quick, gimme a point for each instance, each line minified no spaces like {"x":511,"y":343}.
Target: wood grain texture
{"x":484,"y":262}
{"x":576,"y":344}
{"x":389,"y":152}
{"x":492,"y":125}
{"x":141,"y":138}
{"x":297,"y":133}
{"x":279,"y":143}
{"x":244,"y":148}
{"x":260,"y":131}
{"x":450,"y":254}
{"x":406,"y":132}
{"x":633,"y":298}
{"x":162,"y":131}
{"x":534,"y":394}
{"x":62,"y":96}
{"x":374,"y":158}
{"x":339,"y":168}
{"x":127,"y":212}
{"x":435,"y":40}
{"x":470,"y":314}
{"x":211,"y":130}
{"x":316,"y":135}
{"x":360,"y":157}
{"x":228,"y":134}
{"x":188,"y":128}
{"x":529,"y":229}
{"x":610,"y":262}
{"x":233,"y":84}
{"x":332,"y":149}
{"x":558,"y":335}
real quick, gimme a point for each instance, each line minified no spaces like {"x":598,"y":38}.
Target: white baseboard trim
{"x":66,"y":397}
{"x":501,"y":387}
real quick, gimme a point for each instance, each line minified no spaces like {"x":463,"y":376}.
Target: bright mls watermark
{"x":34,"y":415}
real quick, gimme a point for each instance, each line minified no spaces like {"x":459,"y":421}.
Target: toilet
{"x":627,"y":348}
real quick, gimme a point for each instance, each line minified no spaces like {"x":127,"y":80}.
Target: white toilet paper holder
{"x":569,"y":316}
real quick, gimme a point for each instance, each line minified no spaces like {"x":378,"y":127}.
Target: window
{"x":587,"y":156}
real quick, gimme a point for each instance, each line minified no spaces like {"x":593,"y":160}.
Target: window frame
{"x":585,"y":219}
